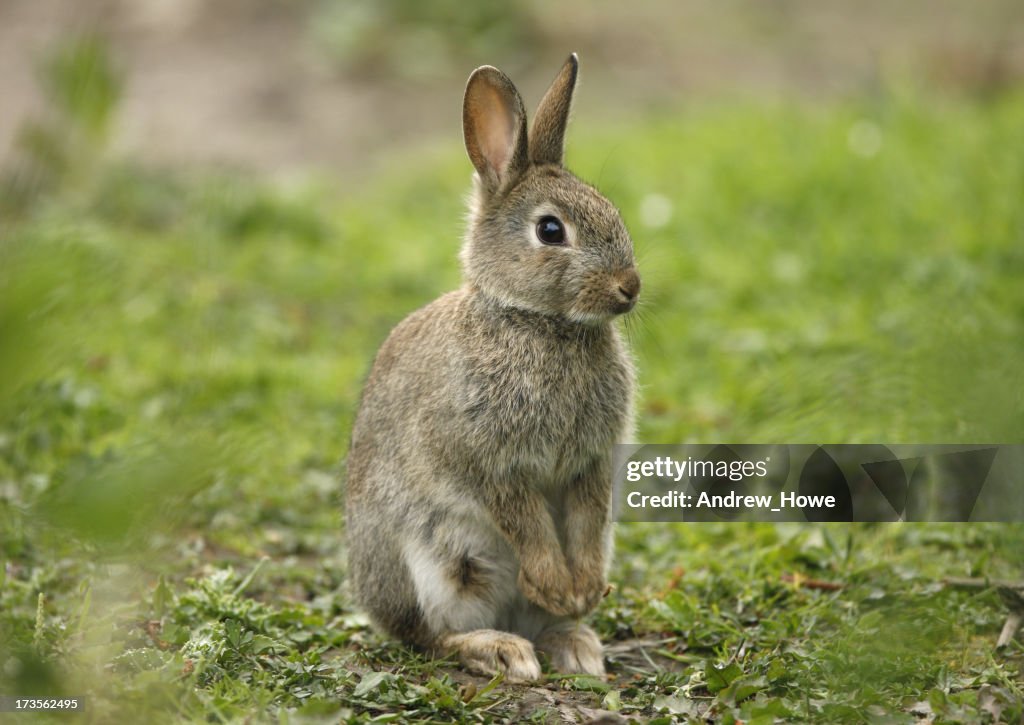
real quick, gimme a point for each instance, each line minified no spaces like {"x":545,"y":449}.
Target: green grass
{"x":181,"y":355}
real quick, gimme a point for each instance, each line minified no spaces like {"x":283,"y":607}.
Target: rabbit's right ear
{"x":494,"y":126}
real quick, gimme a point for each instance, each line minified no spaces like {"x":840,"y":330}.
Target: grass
{"x":181,"y":354}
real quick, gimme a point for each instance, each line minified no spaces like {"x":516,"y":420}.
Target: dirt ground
{"x":244,"y":83}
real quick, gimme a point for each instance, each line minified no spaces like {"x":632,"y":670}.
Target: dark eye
{"x":550,"y":231}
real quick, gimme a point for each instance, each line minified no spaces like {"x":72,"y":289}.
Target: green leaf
{"x":262,"y":643}
{"x":720,"y":678}
{"x":675,"y":704}
{"x":612,"y":701}
{"x":742,"y":688}
{"x":163,"y":597}
{"x":374,"y":682}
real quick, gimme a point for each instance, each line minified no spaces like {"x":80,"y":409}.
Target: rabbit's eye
{"x":550,"y":231}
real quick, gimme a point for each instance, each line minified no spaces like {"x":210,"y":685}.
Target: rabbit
{"x":479,"y":471}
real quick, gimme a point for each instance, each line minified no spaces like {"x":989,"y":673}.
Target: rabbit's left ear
{"x":547,"y":135}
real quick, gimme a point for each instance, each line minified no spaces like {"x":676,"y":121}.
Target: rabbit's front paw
{"x":589,"y":586}
{"x":545,"y":581}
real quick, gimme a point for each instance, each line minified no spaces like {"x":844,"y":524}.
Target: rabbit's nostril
{"x":629,"y":285}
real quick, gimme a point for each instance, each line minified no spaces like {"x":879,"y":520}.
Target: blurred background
{"x":276,"y":85}
{"x":212,"y":214}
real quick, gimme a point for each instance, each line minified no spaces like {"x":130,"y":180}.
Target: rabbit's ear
{"x":494,"y":126}
{"x":547,"y":135}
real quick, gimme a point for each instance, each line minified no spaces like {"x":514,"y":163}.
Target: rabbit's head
{"x":539,"y":238}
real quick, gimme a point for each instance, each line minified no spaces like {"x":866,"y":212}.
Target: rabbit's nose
{"x":629,"y":285}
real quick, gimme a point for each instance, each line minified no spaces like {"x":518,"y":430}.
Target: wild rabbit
{"x":479,"y":472}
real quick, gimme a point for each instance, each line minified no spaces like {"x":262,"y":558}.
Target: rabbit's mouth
{"x":625,"y":306}
{"x":606,"y":296}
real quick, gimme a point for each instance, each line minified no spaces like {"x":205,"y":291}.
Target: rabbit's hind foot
{"x":489,"y":652}
{"x":573,"y":648}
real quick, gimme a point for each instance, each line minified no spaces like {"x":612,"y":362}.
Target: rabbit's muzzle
{"x":627,"y":290}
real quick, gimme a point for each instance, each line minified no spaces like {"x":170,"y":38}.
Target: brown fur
{"x":479,"y":479}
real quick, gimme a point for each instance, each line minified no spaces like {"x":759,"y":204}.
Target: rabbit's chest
{"x":549,"y":407}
